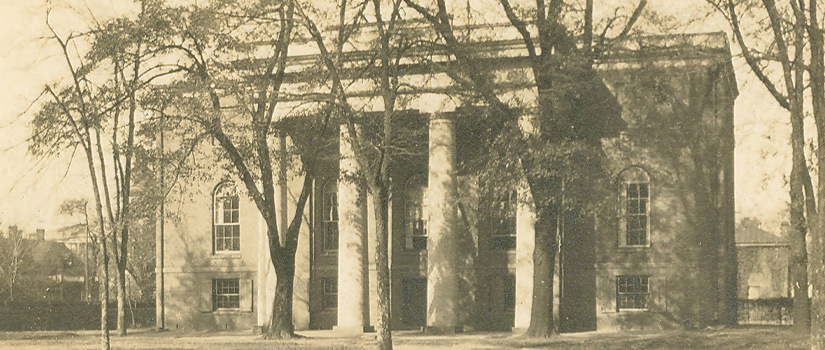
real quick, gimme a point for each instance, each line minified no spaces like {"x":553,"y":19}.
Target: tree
{"x":68,"y":120}
{"x":374,"y":150}
{"x":216,"y":45}
{"x":14,"y":260}
{"x":793,"y":32}
{"x":561,"y":138}
{"x":89,"y":107}
{"x":72,"y":207}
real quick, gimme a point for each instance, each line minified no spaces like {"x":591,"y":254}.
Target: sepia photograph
{"x":412,"y":174}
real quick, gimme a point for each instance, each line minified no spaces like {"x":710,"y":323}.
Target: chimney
{"x":40,"y":234}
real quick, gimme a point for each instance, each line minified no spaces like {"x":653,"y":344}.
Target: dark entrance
{"x":414,"y":301}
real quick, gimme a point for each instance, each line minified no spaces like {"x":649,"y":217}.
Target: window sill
{"x":226,"y":255}
{"x":634,"y":247}
{"x":229,"y":312}
{"x":633,"y":310}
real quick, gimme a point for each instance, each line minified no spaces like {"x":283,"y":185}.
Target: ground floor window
{"x":226,"y":294}
{"x":509,"y":292}
{"x":632,"y":292}
{"x":330,"y":292}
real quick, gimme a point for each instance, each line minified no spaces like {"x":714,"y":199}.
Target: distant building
{"x":654,"y":258}
{"x":764,"y":287}
{"x":47,"y":270}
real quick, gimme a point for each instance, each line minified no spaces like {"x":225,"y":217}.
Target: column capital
{"x":444,"y":116}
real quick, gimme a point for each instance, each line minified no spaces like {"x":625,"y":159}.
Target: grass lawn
{"x":729,"y":338}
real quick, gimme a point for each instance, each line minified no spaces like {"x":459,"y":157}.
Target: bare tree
{"x":561,"y":62}
{"x":220,"y":62}
{"x":13,"y":256}
{"x":374,"y":152}
{"x":72,"y":207}
{"x":792,"y":34}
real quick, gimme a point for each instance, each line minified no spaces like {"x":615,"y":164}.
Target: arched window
{"x":416,"y":204}
{"x":634,"y":198}
{"x":500,"y":206}
{"x":329,"y":215}
{"x":226,"y":224}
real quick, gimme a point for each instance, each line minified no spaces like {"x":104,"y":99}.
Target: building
{"x":655,"y":258}
{"x":764,"y":278}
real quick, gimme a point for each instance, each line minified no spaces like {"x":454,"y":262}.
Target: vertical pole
{"x":159,"y":246}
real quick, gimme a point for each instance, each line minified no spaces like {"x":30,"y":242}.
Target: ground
{"x":730,"y":338}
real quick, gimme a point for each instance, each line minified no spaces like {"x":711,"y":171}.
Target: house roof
{"x":754,"y":234}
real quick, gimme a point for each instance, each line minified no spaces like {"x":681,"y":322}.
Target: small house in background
{"x":764,"y":278}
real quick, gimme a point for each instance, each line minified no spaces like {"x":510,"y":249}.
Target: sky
{"x":31,"y":189}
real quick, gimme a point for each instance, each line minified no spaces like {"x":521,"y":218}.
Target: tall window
{"x":416,"y":203}
{"x":226,"y":294}
{"x":509,"y":290}
{"x":634,"y":229}
{"x":330,"y":215}
{"x":501,"y":208}
{"x":330,"y":292}
{"x":226,"y":221}
{"x":632,"y":292}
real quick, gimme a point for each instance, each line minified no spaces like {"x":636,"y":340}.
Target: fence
{"x":766,"y":311}
{"x":28,"y":316}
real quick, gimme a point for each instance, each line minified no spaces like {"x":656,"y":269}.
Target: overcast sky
{"x":31,"y":189}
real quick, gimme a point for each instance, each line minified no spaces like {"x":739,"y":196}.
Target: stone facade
{"x":656,"y":256}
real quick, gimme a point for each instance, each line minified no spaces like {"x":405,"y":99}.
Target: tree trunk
{"x":104,"y":298}
{"x":280,"y":322}
{"x":381,"y":201}
{"x":817,"y":229}
{"x":544,"y":258}
{"x":798,"y":254}
{"x":816,"y":271}
{"x":121,"y":301}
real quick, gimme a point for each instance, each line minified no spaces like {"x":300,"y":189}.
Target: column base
{"x":443,"y":330}
{"x":258,"y":330}
{"x":518,"y":330}
{"x":354,"y":329}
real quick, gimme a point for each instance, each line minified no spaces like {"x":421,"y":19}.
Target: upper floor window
{"x":634,"y":227}
{"x":501,"y":208}
{"x":416,"y":203}
{"x":226,"y":219}
{"x":329,"y":215}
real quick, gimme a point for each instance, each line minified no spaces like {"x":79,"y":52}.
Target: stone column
{"x":525,"y":243}
{"x":442,"y":274}
{"x":353,"y":280}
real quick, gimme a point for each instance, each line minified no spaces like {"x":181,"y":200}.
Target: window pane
{"x":226,"y":293}
{"x":330,"y":235}
{"x":632,"y":191}
{"x":632,"y":292}
{"x":510,"y":291}
{"x":329,"y":291}
{"x":636,"y":214}
{"x":329,"y":216}
{"x":416,"y":212}
{"x":419,"y":243}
